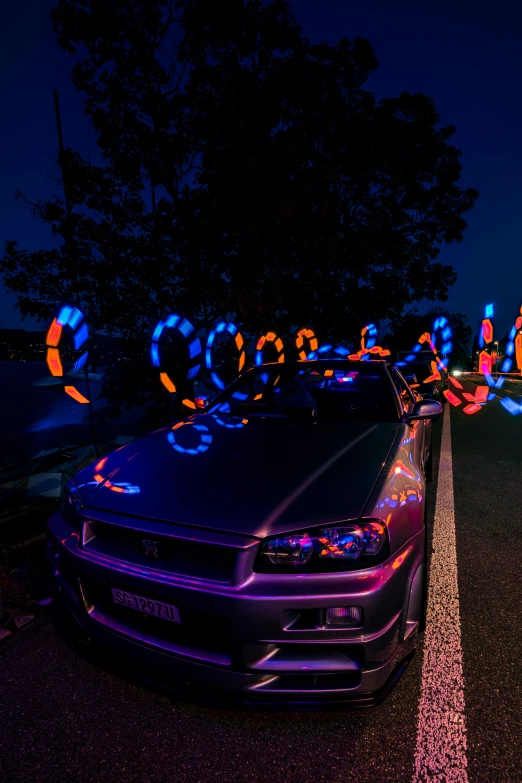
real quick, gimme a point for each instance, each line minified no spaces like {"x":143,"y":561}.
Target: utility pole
{"x":68,"y":212}
{"x":60,"y":145}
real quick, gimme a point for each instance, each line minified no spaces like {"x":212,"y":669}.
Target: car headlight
{"x":347,"y":547}
{"x":71,"y":504}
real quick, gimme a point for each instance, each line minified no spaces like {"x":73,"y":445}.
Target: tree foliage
{"x":284,"y":193}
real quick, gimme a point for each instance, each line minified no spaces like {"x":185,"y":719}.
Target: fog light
{"x":344,"y":617}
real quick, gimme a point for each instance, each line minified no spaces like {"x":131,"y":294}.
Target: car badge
{"x":150,"y":548}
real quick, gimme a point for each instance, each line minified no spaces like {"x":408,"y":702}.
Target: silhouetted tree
{"x":284,"y":193}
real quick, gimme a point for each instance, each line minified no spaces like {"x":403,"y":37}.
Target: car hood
{"x":258,"y":476}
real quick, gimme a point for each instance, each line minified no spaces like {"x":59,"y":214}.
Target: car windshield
{"x":322,"y":390}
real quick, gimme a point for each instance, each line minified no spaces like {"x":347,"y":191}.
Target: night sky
{"x":466,"y":57}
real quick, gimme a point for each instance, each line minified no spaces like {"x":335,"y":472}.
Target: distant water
{"x":34,"y":418}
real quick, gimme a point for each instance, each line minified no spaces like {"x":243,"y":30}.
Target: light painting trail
{"x":271,"y":338}
{"x":368,"y":345}
{"x":205,"y":438}
{"x":186,"y":330}
{"x":485,"y":361}
{"x":313,"y":343}
{"x":73,"y":319}
{"x":442,"y":357}
{"x":220,"y":328}
{"x":514,"y":346}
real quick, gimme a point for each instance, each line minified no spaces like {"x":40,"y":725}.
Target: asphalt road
{"x":66,"y":718}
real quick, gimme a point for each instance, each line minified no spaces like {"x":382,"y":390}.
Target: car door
{"x":420,"y":432}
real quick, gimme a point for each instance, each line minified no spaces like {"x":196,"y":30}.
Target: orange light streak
{"x":451,"y":397}
{"x":54,"y":363}
{"x":487,"y":330}
{"x":455,"y":382}
{"x":73,"y":392}
{"x":54,"y":333}
{"x":164,"y":378}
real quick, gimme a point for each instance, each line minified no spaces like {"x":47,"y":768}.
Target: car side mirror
{"x":425,"y":409}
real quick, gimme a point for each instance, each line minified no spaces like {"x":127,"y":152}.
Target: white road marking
{"x":440,"y":755}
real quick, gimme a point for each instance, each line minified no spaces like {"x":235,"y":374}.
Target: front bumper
{"x":259,"y":638}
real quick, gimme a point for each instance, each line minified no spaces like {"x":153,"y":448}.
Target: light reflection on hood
{"x":182,"y":443}
{"x":123,"y":487}
{"x":117,"y":486}
{"x":196,"y":438}
{"x":232,"y":423}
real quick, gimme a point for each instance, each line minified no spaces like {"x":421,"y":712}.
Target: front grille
{"x":199,"y":635}
{"x":175,"y":555}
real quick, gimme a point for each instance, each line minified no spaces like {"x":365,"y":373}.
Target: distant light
{"x":457,"y":372}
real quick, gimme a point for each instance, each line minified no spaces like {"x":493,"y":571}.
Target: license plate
{"x":146,"y":605}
